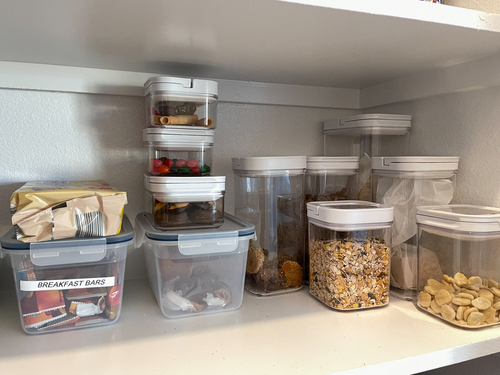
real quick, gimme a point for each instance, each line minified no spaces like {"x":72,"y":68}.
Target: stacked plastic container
{"x":195,"y":254}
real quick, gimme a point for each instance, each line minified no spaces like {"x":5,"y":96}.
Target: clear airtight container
{"x":406,"y":182}
{"x":269,"y":193}
{"x":328,"y":179}
{"x":174,"y":152}
{"x":195,"y":272}
{"x":181,"y":102}
{"x":366,"y":136}
{"x":185,"y":202}
{"x":349,"y":253}
{"x":459,"y":264}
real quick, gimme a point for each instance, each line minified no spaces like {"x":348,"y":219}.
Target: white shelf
{"x":273,"y":335}
{"x":357,"y":45}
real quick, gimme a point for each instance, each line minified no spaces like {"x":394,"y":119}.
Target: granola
{"x":350,"y":273}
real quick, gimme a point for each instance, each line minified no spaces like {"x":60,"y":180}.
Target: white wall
{"x":467,"y":125}
{"x":65,"y":136}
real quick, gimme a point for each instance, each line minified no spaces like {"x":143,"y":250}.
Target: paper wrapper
{"x":51,"y":211}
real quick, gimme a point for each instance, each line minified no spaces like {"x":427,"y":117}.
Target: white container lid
{"x":179,"y":136}
{"x":460,"y":217}
{"x":317,"y":163}
{"x":182,"y":86}
{"x":270,"y":163}
{"x":415,"y":163}
{"x":375,"y":123}
{"x":177,"y":189}
{"x":350,"y":213}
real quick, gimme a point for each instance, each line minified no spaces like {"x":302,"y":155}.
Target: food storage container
{"x":70,"y":283}
{"x":459,"y":264}
{"x":174,"y":152}
{"x":406,"y":182}
{"x":366,"y":136}
{"x":269,"y":193}
{"x":185,"y":202}
{"x":328,"y":179}
{"x":349,"y":253}
{"x":181,"y":102}
{"x":194,"y":272}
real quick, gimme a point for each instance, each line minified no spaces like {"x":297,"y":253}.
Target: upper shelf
{"x":349,"y":44}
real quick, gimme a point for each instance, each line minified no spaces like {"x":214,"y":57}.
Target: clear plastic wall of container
{"x":459,"y":264}
{"x":269,"y":193}
{"x":328,"y":179}
{"x":349,"y":253}
{"x":174,"y":152}
{"x":366,"y":136}
{"x":185,"y":202}
{"x":181,"y":102}
{"x":406,"y":182}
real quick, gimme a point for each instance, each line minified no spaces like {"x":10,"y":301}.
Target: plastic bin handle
{"x":198,"y":244}
{"x":66,"y":252}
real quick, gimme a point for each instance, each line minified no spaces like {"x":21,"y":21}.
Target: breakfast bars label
{"x":96,"y":282}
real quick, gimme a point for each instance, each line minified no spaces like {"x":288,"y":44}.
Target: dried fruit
{"x":475,"y":319}
{"x":424,"y":299}
{"x":481,"y":303}
{"x":442,"y":297}
{"x":448,"y":313}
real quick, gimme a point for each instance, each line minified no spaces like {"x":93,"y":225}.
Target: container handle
{"x":52,"y":253}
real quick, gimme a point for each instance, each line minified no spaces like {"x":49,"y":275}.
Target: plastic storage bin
{"x":186,"y":202}
{"x":173,"y":152}
{"x":71,"y":283}
{"x":181,"y":102}
{"x":406,"y":182}
{"x":459,"y":264}
{"x":269,"y":193}
{"x":349,"y":253}
{"x":196,"y":272}
{"x":366,"y":136}
{"x":328,"y":179}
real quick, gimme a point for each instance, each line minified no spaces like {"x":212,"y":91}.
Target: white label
{"x":95,"y":282}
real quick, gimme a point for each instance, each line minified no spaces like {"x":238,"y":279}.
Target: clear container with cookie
{"x":181,"y":102}
{"x":179,"y":152}
{"x":186,"y":202}
{"x":349,"y":253}
{"x":459,"y":264}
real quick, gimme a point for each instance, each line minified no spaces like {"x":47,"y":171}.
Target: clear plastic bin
{"x":366,"y":136}
{"x":269,"y":193}
{"x":186,"y":202}
{"x":71,"y":283}
{"x":459,"y":264}
{"x":328,"y":179}
{"x":349,"y":253}
{"x":181,"y":102}
{"x":406,"y":182}
{"x":174,"y":152}
{"x":196,"y":272}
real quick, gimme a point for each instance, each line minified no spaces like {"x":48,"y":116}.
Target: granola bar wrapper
{"x":51,"y":211}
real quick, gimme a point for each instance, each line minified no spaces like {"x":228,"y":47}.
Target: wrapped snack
{"x":43,"y":211}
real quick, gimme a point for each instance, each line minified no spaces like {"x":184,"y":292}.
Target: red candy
{"x":192,"y":163}
{"x":155,"y":163}
{"x":180,"y":163}
{"x":169,"y":162}
{"x":195,"y":170}
{"x":163,"y":169}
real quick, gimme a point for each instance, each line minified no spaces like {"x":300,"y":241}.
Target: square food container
{"x":406,"y":182}
{"x":366,"y":136}
{"x":181,"y":102}
{"x":71,"y":283}
{"x":179,"y":152}
{"x":459,"y":264}
{"x":349,"y":253}
{"x":186,"y":202}
{"x":269,"y":193}
{"x":194,"y":272}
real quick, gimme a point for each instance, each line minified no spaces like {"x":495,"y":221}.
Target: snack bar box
{"x":194,"y":272}
{"x":71,"y":283}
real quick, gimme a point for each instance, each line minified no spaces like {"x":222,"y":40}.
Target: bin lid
{"x":196,"y":241}
{"x":178,"y":85}
{"x":460,"y":217}
{"x":375,"y":123}
{"x":179,"y":135}
{"x":185,"y":186}
{"x":270,"y":163}
{"x":332,"y":163}
{"x":415,"y":163}
{"x":350,"y":213}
